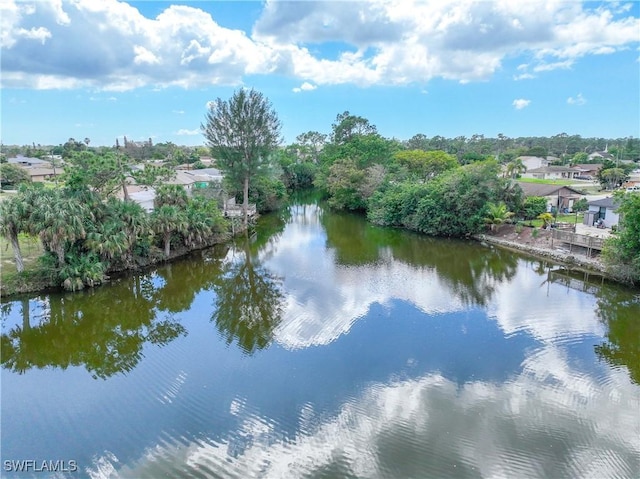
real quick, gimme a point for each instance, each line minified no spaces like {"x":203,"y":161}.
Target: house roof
{"x":589,"y":166}
{"x":537,"y":189}
{"x":608,"y":202}
{"x":182,"y":178}
{"x":601,"y":154}
{"x":208,"y":172}
{"x":24,"y":160}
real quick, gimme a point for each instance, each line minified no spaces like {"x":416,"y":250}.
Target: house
{"x":601,"y":155}
{"x":144,"y":198}
{"x":183,"y":178}
{"x":603,"y":209}
{"x":533,"y":162}
{"x":26,"y":162}
{"x":43,"y":174}
{"x":558,"y":196}
{"x":553,"y":173}
{"x":210,"y":174}
{"x":191,"y":179}
{"x":587,"y":169}
{"x":37,"y":169}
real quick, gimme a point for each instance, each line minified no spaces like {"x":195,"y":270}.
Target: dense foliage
{"x":438,"y":186}
{"x":454,"y":203}
{"x":622,"y":252}
{"x":84,"y":236}
{"x":12,"y":176}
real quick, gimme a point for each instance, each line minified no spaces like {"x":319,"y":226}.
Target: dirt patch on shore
{"x":535,"y":237}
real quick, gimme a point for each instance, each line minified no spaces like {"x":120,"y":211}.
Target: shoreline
{"x":576,"y":261}
{"x":25,"y":284}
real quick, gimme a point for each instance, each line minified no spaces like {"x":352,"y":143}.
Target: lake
{"x":326,"y":347}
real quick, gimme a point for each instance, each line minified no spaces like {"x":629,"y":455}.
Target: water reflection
{"x":620,"y":314}
{"x":432,"y":359}
{"x":469,"y":271}
{"x":336,"y":266}
{"x":182,"y":281}
{"x":431,"y":427}
{"x":103,"y":333}
{"x":249,"y":301}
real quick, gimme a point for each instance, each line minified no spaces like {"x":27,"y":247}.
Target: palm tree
{"x":497,"y":214}
{"x":547,"y":219}
{"x":166,"y":220}
{"x":109,"y":239}
{"x":134,"y":220}
{"x":13,"y":216}
{"x":60,"y":220}
{"x":174,"y":195}
{"x":515,"y":168}
{"x":200,"y":227}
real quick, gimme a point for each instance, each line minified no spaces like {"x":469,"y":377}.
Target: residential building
{"x":558,"y":196}
{"x":601,"y":155}
{"x":532,"y":162}
{"x":552,"y":173}
{"x":604,"y":209}
{"x":26,"y":162}
{"x":587,"y":169}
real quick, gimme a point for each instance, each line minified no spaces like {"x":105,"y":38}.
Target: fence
{"x":590,"y":242}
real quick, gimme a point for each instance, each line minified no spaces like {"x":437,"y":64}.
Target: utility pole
{"x":53,"y":163}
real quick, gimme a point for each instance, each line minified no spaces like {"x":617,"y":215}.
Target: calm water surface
{"x":325,"y":347}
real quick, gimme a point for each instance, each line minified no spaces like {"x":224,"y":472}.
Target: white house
{"x":604,"y":209}
{"x":553,"y":173}
{"x":532,"y":162}
{"x":601,"y":155}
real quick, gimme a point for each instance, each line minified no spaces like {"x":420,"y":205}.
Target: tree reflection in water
{"x":472,"y":273}
{"x":105,"y":333}
{"x":620,"y":312}
{"x":249,"y":302}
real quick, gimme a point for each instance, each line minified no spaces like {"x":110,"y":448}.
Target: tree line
{"x":436,"y":192}
{"x":436,"y":186}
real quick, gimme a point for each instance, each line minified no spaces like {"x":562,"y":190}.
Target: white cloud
{"x":178,"y":112}
{"x":186,"y":132}
{"x":545,"y":67}
{"x":142,"y":55}
{"x":306,"y":86}
{"x":578,"y":100}
{"x":111,"y":45}
{"x":520,"y":103}
{"x":523,"y":76}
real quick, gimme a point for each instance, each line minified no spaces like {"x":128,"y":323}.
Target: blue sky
{"x":147,"y":69}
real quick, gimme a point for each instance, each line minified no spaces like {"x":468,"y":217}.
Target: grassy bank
{"x":33,"y":278}
{"x":36,"y":277}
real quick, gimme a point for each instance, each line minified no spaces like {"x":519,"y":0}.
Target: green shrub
{"x":533,"y":206}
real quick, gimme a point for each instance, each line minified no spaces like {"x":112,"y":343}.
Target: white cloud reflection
{"x":479,"y":429}
{"x":325,"y":299}
{"x":550,"y":419}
